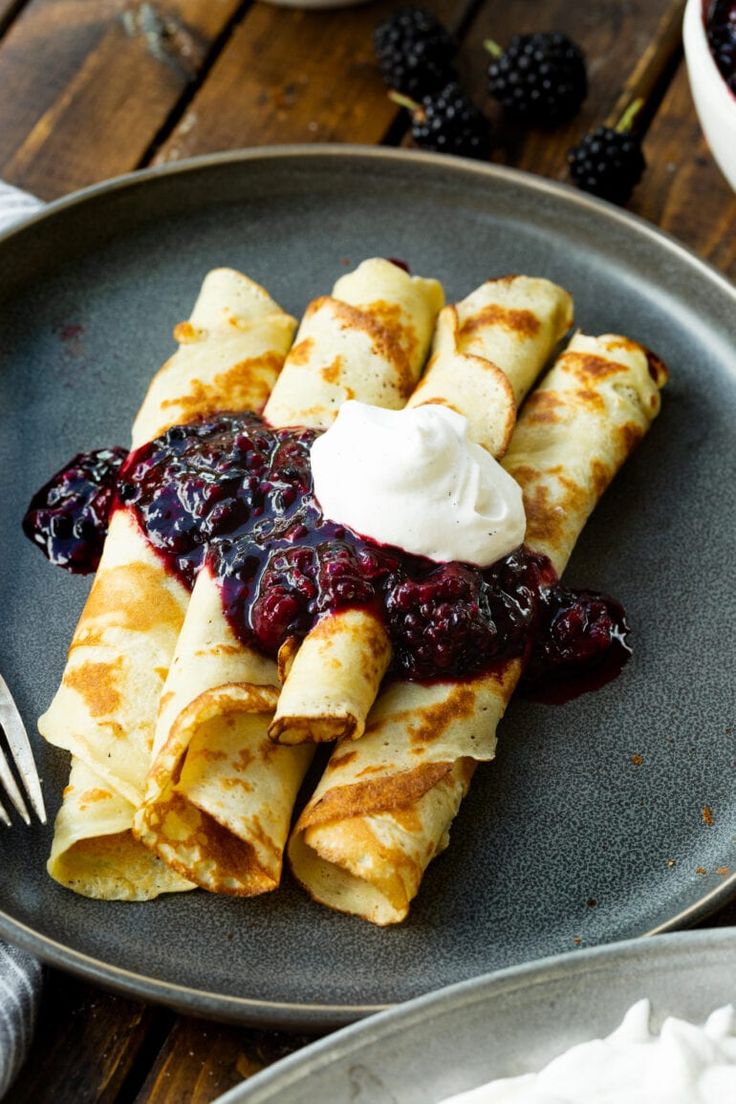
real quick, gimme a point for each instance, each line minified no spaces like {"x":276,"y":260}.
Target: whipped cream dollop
{"x":683,"y":1064}
{"x":412,"y":478}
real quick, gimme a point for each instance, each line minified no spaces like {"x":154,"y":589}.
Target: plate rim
{"x":573,"y":964}
{"x":316,"y":1016}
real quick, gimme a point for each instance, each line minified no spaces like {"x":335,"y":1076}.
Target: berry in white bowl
{"x":708,"y":29}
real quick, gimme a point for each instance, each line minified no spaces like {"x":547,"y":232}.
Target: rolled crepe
{"x":105,"y":709}
{"x":488,"y":350}
{"x":223,"y":820}
{"x":366,"y":341}
{"x":376,"y":820}
{"x":220,"y":794}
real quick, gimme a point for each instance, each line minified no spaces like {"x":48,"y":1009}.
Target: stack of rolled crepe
{"x":104,"y":712}
{"x":220,"y":793}
{"x":384,"y":805}
{"x":487,"y":352}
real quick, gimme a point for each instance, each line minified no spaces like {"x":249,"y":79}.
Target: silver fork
{"x":12,"y":725}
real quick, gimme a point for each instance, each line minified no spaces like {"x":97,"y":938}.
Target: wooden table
{"x":93,"y":88}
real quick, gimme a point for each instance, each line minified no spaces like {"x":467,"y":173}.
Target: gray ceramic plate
{"x":503,"y":1024}
{"x":563,"y":841}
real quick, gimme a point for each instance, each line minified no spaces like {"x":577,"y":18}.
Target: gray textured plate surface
{"x":503,"y":1024}
{"x":563,"y":839}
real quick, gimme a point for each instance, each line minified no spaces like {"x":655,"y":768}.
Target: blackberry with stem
{"x":448,"y":122}
{"x":415,"y":52}
{"x":539,"y":77}
{"x":609,"y":161}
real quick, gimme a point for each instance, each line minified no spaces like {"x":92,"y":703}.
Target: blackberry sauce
{"x":68,"y":517}
{"x":239,"y":493}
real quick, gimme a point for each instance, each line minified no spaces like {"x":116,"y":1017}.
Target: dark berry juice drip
{"x":68,"y":517}
{"x":580,"y":645}
{"x":240,"y":493}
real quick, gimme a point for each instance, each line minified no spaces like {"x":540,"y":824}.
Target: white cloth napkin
{"x":15,"y":205}
{"x":20,"y":974}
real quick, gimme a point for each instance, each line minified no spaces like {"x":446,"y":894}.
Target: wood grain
{"x":683,"y":191}
{"x":200,"y":1061}
{"x":86,"y":87}
{"x":86,"y":1046}
{"x":294,"y":76}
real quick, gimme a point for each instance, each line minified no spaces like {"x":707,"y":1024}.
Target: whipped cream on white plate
{"x":412,"y":478}
{"x":683,"y":1064}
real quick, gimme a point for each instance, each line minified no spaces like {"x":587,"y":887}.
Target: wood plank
{"x":683,"y":190}
{"x":86,"y":87}
{"x":86,"y":1045}
{"x":294,"y":76}
{"x":199,"y":1061}
{"x":8,"y":11}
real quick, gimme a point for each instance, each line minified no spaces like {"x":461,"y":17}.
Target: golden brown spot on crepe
{"x":243,"y":759}
{"x":384,"y":345}
{"x":408,"y":818}
{"x":185,"y":333}
{"x":119,"y":732}
{"x":232,"y":783}
{"x":331,"y":372}
{"x":600,"y":477}
{"x":544,"y":407}
{"x":546,"y":520}
{"x":130,"y":597}
{"x":91,"y":797}
{"x":657,"y":368}
{"x":433,"y":720}
{"x":245,"y":385}
{"x":630,"y":434}
{"x":209,"y":755}
{"x":400,"y":329}
{"x":587,"y":366}
{"x":300,"y":353}
{"x":338,"y":761}
{"x":618,"y":341}
{"x":96,"y":683}
{"x":374,"y":796}
{"x":437,"y":402}
{"x":522,"y":323}
{"x":220,"y":649}
{"x":592,"y":399}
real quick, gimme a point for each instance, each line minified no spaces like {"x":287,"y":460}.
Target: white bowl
{"x":714,"y":101}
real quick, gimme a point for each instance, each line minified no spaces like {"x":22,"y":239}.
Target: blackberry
{"x":540,"y":77}
{"x":449,"y":122}
{"x":721,"y":30}
{"x":607,"y":163}
{"x":414,"y":52}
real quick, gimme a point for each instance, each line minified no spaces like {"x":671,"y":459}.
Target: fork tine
{"x":4,"y":817}
{"x":11,"y":789}
{"x":20,"y":749}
